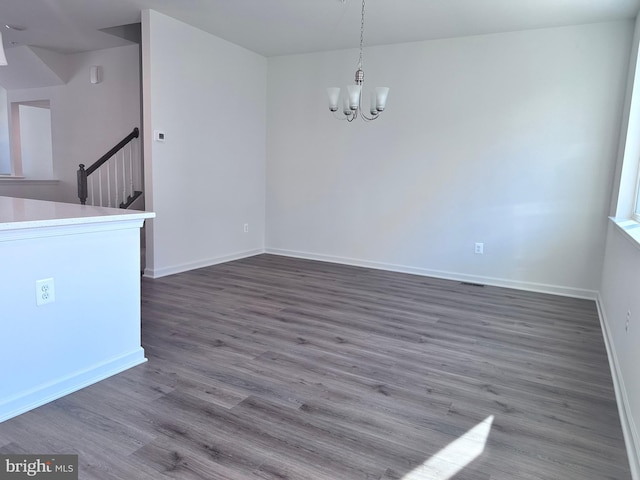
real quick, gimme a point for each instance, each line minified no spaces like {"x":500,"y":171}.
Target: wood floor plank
{"x":279,"y":368}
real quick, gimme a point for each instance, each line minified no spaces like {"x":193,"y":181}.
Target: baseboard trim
{"x":629,"y":430}
{"x":45,"y":393}
{"x":462,"y":277}
{"x":163,"y":272}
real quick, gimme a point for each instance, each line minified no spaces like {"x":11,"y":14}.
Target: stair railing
{"x":115,"y":181}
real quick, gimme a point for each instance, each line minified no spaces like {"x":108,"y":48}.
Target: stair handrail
{"x":83,"y":174}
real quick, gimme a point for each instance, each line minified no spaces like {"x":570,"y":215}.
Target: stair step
{"x":131,"y":199}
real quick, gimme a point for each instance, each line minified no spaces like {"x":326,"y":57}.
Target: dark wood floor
{"x":276,"y":368}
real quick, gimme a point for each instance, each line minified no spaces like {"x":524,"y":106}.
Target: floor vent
{"x":471,"y":284}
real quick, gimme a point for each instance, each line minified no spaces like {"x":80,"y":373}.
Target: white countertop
{"x":18,"y":213}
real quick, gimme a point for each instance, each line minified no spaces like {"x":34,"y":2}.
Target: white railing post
{"x":108,"y":186}
{"x":100,"y":185}
{"x":124,"y":181}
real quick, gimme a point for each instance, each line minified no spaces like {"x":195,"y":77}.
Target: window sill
{"x":629,"y":229}
{"x":12,"y":180}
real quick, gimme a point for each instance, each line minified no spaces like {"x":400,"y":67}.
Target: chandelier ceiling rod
{"x":352,"y":102}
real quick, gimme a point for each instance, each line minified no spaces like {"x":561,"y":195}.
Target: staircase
{"x":115,"y":179}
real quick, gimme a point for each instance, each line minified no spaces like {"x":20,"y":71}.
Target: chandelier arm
{"x":364,"y":117}
{"x":369,"y":119}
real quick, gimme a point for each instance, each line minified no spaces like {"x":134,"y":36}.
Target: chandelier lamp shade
{"x":352,"y":99}
{"x":3,"y":57}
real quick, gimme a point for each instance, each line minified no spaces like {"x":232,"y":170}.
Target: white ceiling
{"x":280,"y":27}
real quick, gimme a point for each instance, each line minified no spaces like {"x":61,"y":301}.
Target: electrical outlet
{"x":45,"y":291}
{"x":626,"y":325}
{"x":246,"y":228}
{"x":479,"y":248}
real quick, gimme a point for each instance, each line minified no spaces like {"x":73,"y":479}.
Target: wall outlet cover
{"x":45,"y":291}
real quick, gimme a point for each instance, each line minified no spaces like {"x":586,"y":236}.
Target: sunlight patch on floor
{"x":455,"y":456}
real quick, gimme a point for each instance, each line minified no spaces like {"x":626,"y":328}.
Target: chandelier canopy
{"x":352,"y":101}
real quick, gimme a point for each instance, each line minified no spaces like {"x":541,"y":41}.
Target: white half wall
{"x":91,"y":329}
{"x":34,"y":189}
{"x":86,"y":119}
{"x":207,"y":179}
{"x":507,"y":139}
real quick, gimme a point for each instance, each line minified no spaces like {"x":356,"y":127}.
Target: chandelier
{"x":352,"y":101}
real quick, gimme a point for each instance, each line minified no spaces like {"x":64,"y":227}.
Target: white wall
{"x":87,"y":120}
{"x":5,"y":160}
{"x":208,"y":178}
{"x":620,"y":293}
{"x":507,"y":139}
{"x":620,"y":283}
{"x":35,"y":139}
